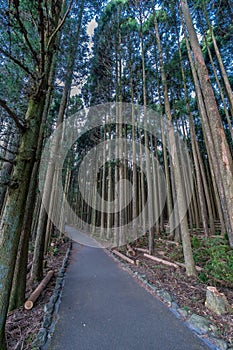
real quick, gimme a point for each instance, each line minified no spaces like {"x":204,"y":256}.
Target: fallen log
{"x":35,"y":295}
{"x":142,"y":250}
{"x":165,"y":262}
{"x":130,"y":251}
{"x":198,"y":268}
{"x":122,"y":256}
{"x":168,"y":242}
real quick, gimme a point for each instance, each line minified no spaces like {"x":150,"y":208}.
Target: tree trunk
{"x":12,"y":219}
{"x":212,"y":125}
{"x":185,"y":236}
{"x":13,"y":215}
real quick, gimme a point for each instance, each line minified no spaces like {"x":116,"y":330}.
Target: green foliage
{"x":216,"y":257}
{"x":195,"y":242}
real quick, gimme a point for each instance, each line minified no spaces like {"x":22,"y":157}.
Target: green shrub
{"x":216,"y":256}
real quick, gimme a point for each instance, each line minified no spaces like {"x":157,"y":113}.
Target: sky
{"x":90,"y":31}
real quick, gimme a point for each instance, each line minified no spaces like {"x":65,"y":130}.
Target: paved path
{"x":104,"y":308}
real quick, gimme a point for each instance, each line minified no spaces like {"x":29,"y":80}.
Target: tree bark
{"x":12,"y":219}
{"x":212,"y":125}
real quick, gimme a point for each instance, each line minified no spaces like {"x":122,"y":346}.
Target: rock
{"x":155,"y":289}
{"x":47,"y":321}
{"x":41,"y":338}
{"x":165,"y":296}
{"x":199,"y":324}
{"x":217,"y":302}
{"x":183,"y":312}
{"x":59,"y":282}
{"x":174,"y":305}
{"x":221,"y":344}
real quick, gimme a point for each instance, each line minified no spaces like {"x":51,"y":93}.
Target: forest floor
{"x":189,"y":293}
{"x":23,"y":325}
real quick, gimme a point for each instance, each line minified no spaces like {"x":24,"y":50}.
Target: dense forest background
{"x":173,"y":58}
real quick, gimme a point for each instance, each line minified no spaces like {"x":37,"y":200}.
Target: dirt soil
{"x":187,"y":292}
{"x":23,"y":325}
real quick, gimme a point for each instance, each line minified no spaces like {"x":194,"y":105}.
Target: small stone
{"x":182,"y":312}
{"x":174,"y":305}
{"x":154,"y":288}
{"x":59,"y":282}
{"x":60,"y":274}
{"x":221,"y":344}
{"x":47,"y":321}
{"x":63,"y":269}
{"x":41,"y":338}
{"x":165,"y":296}
{"x":199,"y":324}
{"x":49,"y":307}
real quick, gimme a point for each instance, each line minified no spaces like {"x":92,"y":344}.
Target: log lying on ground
{"x":130,"y":251}
{"x":168,"y":263}
{"x":165,"y":262}
{"x":122,"y":256}
{"x":169,"y":242}
{"x":198,"y":268}
{"x":142,"y":250}
{"x":35,"y":295}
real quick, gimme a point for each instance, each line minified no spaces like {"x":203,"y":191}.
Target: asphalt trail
{"x":104,"y":308}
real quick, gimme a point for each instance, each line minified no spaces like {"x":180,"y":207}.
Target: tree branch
{"x":7,"y":150}
{"x":24,"y":32}
{"x":41,"y":31}
{"x":8,"y":55}
{"x":60,"y":24}
{"x":2,"y":159}
{"x":12,"y":114}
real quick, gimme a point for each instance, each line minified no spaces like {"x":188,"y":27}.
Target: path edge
{"x":44,"y":336}
{"x":209,"y":338}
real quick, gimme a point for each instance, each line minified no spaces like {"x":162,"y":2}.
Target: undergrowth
{"x":215,"y":256}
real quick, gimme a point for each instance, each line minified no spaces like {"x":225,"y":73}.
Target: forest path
{"x":103,"y":307}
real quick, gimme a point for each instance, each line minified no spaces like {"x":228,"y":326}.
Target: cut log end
{"x":122,"y":256}
{"x":35,"y":295}
{"x":28,"y":305}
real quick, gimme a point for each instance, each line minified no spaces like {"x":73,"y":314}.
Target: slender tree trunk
{"x":20,"y":273}
{"x":148,"y":162}
{"x":185,"y":236}
{"x":212,"y":125}
{"x":220,"y":90}
{"x":221,"y":65}
{"x":12,"y":219}
{"x":11,"y":145}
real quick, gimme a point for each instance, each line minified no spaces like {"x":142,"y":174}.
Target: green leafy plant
{"x":215,"y":255}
